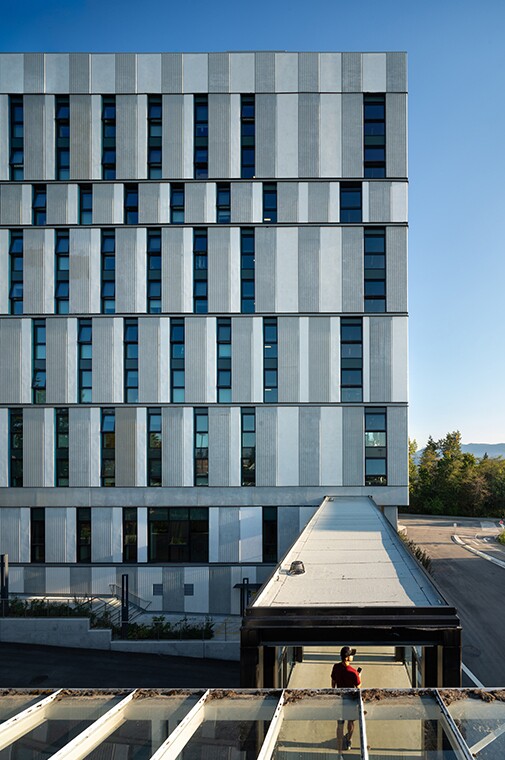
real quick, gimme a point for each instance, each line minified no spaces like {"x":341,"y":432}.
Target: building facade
{"x":203,"y":312}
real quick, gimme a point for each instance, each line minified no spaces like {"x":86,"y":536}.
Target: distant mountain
{"x":477,"y":449}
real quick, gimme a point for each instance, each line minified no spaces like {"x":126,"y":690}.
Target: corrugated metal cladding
{"x":299,"y":263}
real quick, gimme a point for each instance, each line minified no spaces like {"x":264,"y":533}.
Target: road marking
{"x":499,"y":562}
{"x":471,"y":676}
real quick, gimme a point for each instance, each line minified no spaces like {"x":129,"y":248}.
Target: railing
{"x":133,"y":599}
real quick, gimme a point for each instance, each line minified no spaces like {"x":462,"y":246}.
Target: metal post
{"x":124,"y":606}
{"x":4,"y":584}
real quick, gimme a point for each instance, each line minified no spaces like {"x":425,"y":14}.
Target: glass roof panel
{"x":480,"y":716}
{"x":12,"y":704}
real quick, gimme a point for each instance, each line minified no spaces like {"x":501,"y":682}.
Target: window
{"x":39,"y":362}
{"x":154,"y":135}
{"x":62,"y":128}
{"x":200,"y":282}
{"x":108,"y":279}
{"x":178,"y":534}
{"x":154,"y":271}
{"x":269,"y":534}
{"x":177,"y":204}
{"x":224,"y":361}
{"x":16,"y":129}
{"x":83,"y":534}
{"x":201,"y":154}
{"x":223,"y":208}
{"x":375,"y":447}
{"x":248,"y":455}
{"x":270,"y":202}
{"x":375,"y":269}
{"x":130,"y":533}
{"x":39,"y":204}
{"x":351,"y":359}
{"x":177,"y":377}
{"x":201,"y":447}
{"x":374,"y":107}
{"x":131,"y":204}
{"x":85,"y":204}
{"x":270,"y":360}
{"x":62,"y":262}
{"x":109,"y":137}
{"x":154,"y":447}
{"x":247,"y":288}
{"x":61,"y":422}
{"x":131,"y":361}
{"x":350,"y":202}
{"x":85,"y":361}
{"x":247,"y":137}
{"x":16,"y":448}
{"x":108,"y":448}
{"x":37,"y":534}
{"x":16,"y":265}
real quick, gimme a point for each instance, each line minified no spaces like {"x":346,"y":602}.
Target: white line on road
{"x":495,"y":561}
{"x":471,"y":676}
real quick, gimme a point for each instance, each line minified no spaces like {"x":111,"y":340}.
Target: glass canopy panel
{"x":12,"y":704}
{"x":480,"y":716}
{"x":405,"y":725}
{"x":232,"y":727}
{"x":310,"y":725}
{"x":65,"y":719}
{"x":148,"y":723}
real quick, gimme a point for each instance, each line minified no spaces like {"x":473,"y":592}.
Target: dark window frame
{"x":83,"y":535}
{"x":39,"y":376}
{"x":351,"y":360}
{"x":177,"y":361}
{"x":178,"y":534}
{"x":62,"y":460}
{"x":201,"y":447}
{"x":131,"y":360}
{"x":154,"y":271}
{"x":37,"y":535}
{"x":108,"y":272}
{"x":16,"y":448}
{"x":351,"y":202}
{"x":376,"y":460}
{"x":201,"y":137}
{"x":270,"y":360}
{"x":374,"y":135}
{"x":200,"y":271}
{"x":16,"y":272}
{"x":108,"y":448}
{"x":154,"y":447}
{"x":248,"y":446}
{"x":223,"y":363}
{"x":84,"y":361}
{"x":154,"y":136}
{"x":247,"y":136}
{"x":109,"y":137}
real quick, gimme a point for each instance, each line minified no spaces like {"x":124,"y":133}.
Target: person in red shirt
{"x":344,"y":676}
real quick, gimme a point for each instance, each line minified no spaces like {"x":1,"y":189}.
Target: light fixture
{"x":296,"y":568}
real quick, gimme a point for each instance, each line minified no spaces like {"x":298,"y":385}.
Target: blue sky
{"x":457,"y":112}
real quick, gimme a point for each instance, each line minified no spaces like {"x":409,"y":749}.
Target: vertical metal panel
{"x":304,"y":359}
{"x":266,"y":107}
{"x":351,"y":72}
{"x":15,"y":369}
{"x":229,"y":534}
{"x":399,"y":359}
{"x":266,"y":446}
{"x":173,"y":589}
{"x":241,"y":360}
{"x":10,"y":532}
{"x":149,"y":72}
{"x":379,"y":201}
{"x":353,"y":446}
{"x":286,"y":138}
{"x":396,"y":135}
{"x":289,"y":359}
{"x":396,"y":72}
{"x":265,"y":72}
{"x":195,"y":194}
{"x":79,"y":68}
{"x":308,"y":72}
{"x":265,"y":275}
{"x":34,"y":137}
{"x":4,"y":272}
{"x":126,"y":454}
{"x":331,"y":449}
{"x":84,"y":446}
{"x":84,"y":271}
{"x":80,"y":581}
{"x":101,"y":534}
{"x":80,"y":137}
{"x":219,"y":590}
{"x":308,"y":446}
{"x":176,"y":270}
{"x":308,"y":134}
{"x":219,"y":446}
{"x":288,"y":530}
{"x":352,"y":269}
{"x":330,"y":72}
{"x":397,"y":433}
{"x":286,"y":72}
{"x":107,"y":359}
{"x":4,"y":448}
{"x":173,"y":446}
{"x":96,"y":137}
{"x":319,"y":359}
{"x":126,"y":137}
{"x":330,"y":115}
{"x":196,"y":360}
{"x":374,"y":72}
{"x":308,"y":269}
{"x":24,"y":547}
{"x":149,"y":203}
{"x":219,"y":72}
{"x":242,"y":72}
{"x":34,"y":72}
{"x":399,"y":201}
{"x":171,"y":72}
{"x":380,"y":359}
{"x":103,"y":72}
{"x":154,"y":347}
{"x":352,"y":135}
{"x":58,"y":360}
{"x":38,"y":254}
{"x":56,"y":535}
{"x":219,"y":273}
{"x":241,"y":202}
{"x":103,"y":203}
{"x":287,"y":199}
{"x":4,"y":137}
{"x":12,"y":72}
{"x":10,"y":206}
{"x":34,"y":580}
{"x":319,"y":198}
{"x":126,"y":72}
{"x":57,"y":204}
{"x":130,"y":269}
{"x":251,"y":529}
{"x":38,"y":440}
{"x":195,"y":72}
{"x":102,"y":577}
{"x":219,"y":136}
{"x":57,"y":579}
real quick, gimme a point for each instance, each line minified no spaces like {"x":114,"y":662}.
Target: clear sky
{"x":457,"y":109}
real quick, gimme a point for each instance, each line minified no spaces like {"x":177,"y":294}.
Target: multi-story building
{"x":203,"y":312}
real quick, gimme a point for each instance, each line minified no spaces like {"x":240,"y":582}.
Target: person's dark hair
{"x":346,"y":652}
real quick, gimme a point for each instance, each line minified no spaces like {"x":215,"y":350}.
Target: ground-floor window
{"x":178,"y":534}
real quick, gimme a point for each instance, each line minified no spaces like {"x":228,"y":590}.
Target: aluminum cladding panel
{"x":80,"y":137}
{"x":219,"y":136}
{"x":353,"y":446}
{"x":101,"y":534}
{"x":219,"y":274}
{"x":380,"y":359}
{"x":352,"y":135}
{"x":308,"y":269}
{"x":266,"y":446}
{"x":289,"y":359}
{"x":398,"y":464}
{"x":396,"y":135}
{"x":308,"y":134}
{"x":396,"y":268}
{"x":309,"y":446}
{"x":266,"y":110}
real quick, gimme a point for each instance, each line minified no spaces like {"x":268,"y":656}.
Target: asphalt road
{"x":37,"y":666}
{"x":473,"y":585}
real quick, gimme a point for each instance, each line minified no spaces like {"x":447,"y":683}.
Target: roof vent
{"x":297,"y":568}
